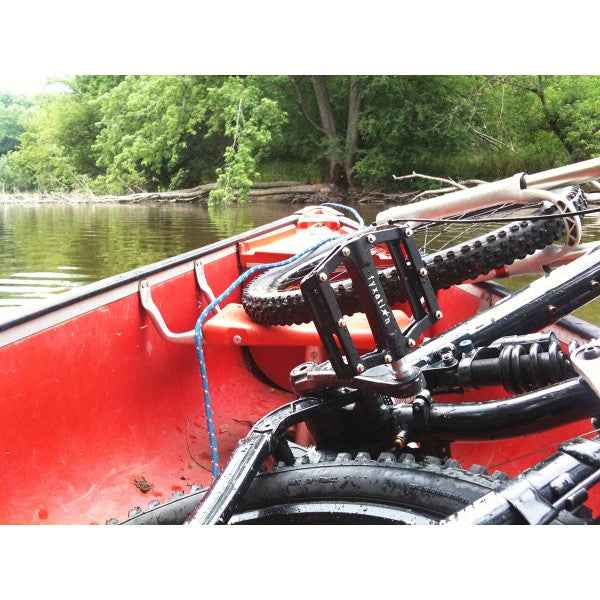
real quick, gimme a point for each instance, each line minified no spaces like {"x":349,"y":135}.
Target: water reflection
{"x":47,"y":249}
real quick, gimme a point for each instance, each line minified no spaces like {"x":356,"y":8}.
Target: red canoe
{"x":101,"y":413}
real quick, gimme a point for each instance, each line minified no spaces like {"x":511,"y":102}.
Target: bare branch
{"x":492,"y":140}
{"x":414,"y":175}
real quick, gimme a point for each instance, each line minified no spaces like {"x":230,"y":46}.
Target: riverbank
{"x":285,"y":192}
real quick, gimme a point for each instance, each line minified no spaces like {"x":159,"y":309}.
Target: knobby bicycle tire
{"x":268,"y":300}
{"x":325,"y":488}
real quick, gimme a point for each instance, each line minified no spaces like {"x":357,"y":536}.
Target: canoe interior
{"x":100,"y":414}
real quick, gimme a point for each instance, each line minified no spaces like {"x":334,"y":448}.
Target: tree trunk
{"x":338,"y":174}
{"x":354,"y":99}
{"x":552,"y":119}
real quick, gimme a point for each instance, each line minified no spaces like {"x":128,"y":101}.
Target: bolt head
{"x":439,"y":314}
{"x":551,"y":309}
{"x":237,"y":339}
{"x":447,"y":358}
{"x":423,"y":272}
{"x":371,"y":238}
{"x":341,"y":323}
{"x":387,"y":359}
{"x":594,"y":284}
{"x":322,"y":276}
{"x":360,"y":368}
{"x":411,"y":343}
{"x":591,"y":353}
{"x":408,"y":232}
{"x":346,"y":251}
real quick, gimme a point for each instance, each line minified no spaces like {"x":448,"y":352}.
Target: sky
{"x":29,"y":84}
{"x":49,"y":39}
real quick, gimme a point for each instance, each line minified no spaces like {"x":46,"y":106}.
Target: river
{"x":49,"y":248}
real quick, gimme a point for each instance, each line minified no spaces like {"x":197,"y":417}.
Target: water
{"x":47,"y":249}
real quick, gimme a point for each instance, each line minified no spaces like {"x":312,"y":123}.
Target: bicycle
{"x":274,"y":298}
{"x":387,"y":402}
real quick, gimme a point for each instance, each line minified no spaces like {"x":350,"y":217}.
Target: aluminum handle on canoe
{"x":186,"y":337}
{"x":494,"y":193}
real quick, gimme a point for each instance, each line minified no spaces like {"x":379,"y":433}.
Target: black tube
{"x":566,"y":402}
{"x":534,"y":307}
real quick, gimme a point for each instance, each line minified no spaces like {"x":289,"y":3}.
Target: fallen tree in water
{"x":290,"y":192}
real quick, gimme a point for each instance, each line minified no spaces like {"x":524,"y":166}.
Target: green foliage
{"x":407,"y":120}
{"x":146,"y":127}
{"x":56,"y":148}
{"x":115,"y":133}
{"x":252,"y":121}
{"x":575,"y":101}
{"x":13,"y":114}
{"x":306,"y":172}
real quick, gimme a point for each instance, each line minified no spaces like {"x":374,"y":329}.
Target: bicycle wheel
{"x":274,"y":298}
{"x":330,"y":489}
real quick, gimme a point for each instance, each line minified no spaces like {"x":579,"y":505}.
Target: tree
{"x":13,"y":114}
{"x":252,"y":121}
{"x":56,"y":148}
{"x":149,"y":124}
{"x":340,"y":149}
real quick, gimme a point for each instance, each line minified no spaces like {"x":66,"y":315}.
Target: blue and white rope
{"x":349,"y":208}
{"x":198,"y":340}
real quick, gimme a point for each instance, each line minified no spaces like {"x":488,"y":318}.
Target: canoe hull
{"x":100,"y":414}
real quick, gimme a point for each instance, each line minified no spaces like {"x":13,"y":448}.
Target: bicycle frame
{"x":536,"y":306}
{"x":511,"y":190}
{"x":519,"y":189}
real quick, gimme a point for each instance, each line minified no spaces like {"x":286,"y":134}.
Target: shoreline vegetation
{"x":284,"y":192}
{"x":118,"y":134}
